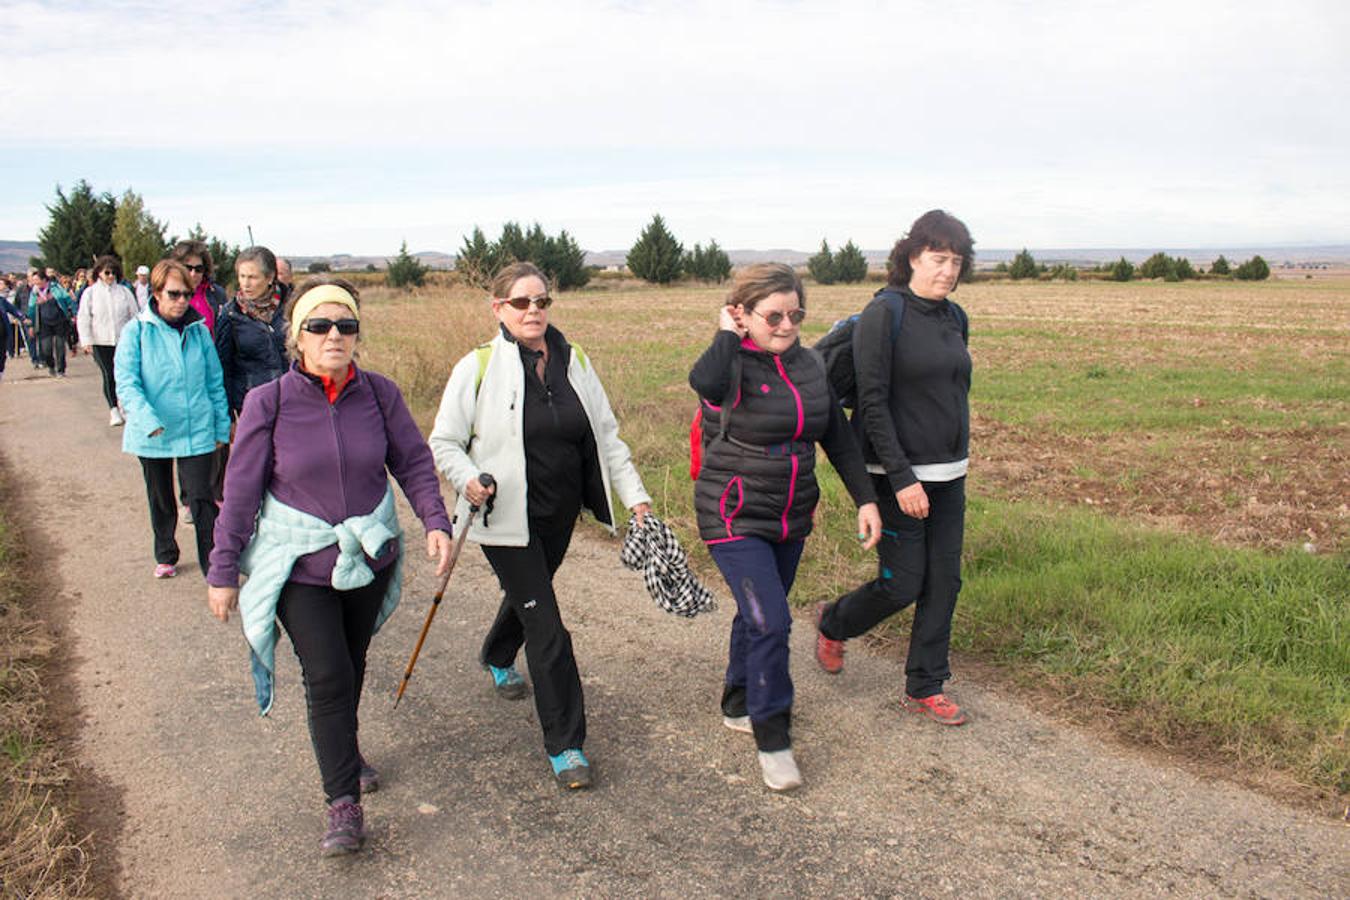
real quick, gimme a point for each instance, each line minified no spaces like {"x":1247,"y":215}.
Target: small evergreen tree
{"x":850,"y":266}
{"x":1254,"y":269}
{"x":318,"y":266}
{"x":1064,"y":272}
{"x":1122,"y":270}
{"x":512,"y":245}
{"x":478,"y":260}
{"x":80,"y":228}
{"x":1159,"y":265}
{"x":138,"y":238}
{"x":1023,"y":266}
{"x":657,"y":257}
{"x":1220,"y":266}
{"x":1184,"y":270}
{"x":405,"y":270}
{"x":569,"y":263}
{"x":821,"y":266}
{"x":716,"y":264}
{"x":1001,"y":268}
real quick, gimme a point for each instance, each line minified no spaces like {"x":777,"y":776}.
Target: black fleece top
{"x":913,"y":399}
{"x":761,"y":481}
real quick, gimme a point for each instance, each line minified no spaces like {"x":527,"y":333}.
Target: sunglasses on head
{"x":776,"y":318}
{"x":523,"y":303}
{"x":197,"y":268}
{"x":323,"y":326}
{"x":177,"y":295}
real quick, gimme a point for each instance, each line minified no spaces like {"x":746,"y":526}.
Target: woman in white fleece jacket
{"x":106,"y":306}
{"x":528,"y":409}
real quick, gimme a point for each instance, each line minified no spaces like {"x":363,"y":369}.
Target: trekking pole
{"x":486,"y":481}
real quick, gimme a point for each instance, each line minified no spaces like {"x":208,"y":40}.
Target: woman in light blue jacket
{"x":170,"y":385}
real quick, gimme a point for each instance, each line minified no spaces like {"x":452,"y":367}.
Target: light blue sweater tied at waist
{"x":283,"y":535}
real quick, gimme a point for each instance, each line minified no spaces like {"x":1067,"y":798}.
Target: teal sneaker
{"x":571,"y":769}
{"x":508,"y":683}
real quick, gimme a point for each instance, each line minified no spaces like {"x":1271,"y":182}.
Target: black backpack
{"x":836,"y":347}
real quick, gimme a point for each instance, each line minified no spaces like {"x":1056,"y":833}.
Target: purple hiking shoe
{"x":346,"y":828}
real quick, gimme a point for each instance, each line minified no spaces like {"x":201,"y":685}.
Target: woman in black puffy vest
{"x":756,"y":490}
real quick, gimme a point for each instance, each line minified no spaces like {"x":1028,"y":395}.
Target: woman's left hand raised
{"x":641,"y":511}
{"x":438,"y":548}
{"x":869,"y":525}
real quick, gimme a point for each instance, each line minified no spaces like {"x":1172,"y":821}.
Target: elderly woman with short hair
{"x":106,"y":307}
{"x":309,"y":516}
{"x":528,"y":408}
{"x":251,"y":329}
{"x":169,"y":385}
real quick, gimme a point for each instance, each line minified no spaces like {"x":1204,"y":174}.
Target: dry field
{"x":1218,"y":409}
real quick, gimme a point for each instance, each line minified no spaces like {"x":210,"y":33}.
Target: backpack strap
{"x":483,"y":353}
{"x":896,"y":301}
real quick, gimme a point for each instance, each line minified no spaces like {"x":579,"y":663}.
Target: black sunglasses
{"x":323,"y":326}
{"x":177,"y":295}
{"x":196,"y":268}
{"x":776,"y":318}
{"x":523,"y":303}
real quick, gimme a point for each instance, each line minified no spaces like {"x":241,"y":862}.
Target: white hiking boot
{"x":780,"y":770}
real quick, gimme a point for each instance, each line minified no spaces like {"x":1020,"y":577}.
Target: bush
{"x":1254,"y":269}
{"x":656,"y":257}
{"x":1122,"y":270}
{"x":821,"y":266}
{"x":1065,"y":272}
{"x":1184,"y":270}
{"x":405,"y":271}
{"x":850,"y":266}
{"x":1023,"y":266}
{"x":1220,"y":266}
{"x":319,"y":266}
{"x":1159,"y":265}
{"x":711,"y":264}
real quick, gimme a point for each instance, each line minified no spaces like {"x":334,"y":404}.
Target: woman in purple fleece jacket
{"x":312,"y":452}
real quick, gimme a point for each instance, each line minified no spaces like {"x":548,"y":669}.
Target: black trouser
{"x":104,"y":357}
{"x":919,"y":562}
{"x":52,"y":350}
{"x":194,"y":477}
{"x":330,"y":630}
{"x":529,"y":615}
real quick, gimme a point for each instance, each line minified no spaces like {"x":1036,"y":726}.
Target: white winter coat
{"x":104,"y":311}
{"x":480,"y":431}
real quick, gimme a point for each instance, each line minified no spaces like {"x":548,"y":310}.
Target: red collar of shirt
{"x":332,"y":388}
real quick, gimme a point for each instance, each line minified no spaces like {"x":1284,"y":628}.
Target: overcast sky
{"x":346,"y":127}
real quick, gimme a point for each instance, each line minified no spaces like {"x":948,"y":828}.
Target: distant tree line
{"x":1159,"y":265}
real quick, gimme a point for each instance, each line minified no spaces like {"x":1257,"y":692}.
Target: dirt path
{"x":207,"y":799}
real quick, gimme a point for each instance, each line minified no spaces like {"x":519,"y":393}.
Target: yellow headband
{"x":324,"y":293}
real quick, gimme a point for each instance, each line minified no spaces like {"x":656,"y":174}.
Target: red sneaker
{"x":829,"y":652}
{"x":937,"y":707}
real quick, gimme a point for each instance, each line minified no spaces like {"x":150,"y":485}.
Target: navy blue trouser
{"x":758,"y":684}
{"x":919,"y":562}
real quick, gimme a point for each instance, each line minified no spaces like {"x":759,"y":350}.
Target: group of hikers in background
{"x":284,"y":446}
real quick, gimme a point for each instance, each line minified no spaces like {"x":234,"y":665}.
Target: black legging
{"x":331,"y":631}
{"x":529,"y":615}
{"x":104,"y":357}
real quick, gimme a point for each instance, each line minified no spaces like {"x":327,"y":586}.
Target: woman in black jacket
{"x":756,"y":490}
{"x":251,"y":329}
{"x":913,"y":390}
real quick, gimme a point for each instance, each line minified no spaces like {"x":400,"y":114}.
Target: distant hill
{"x":14,"y":256}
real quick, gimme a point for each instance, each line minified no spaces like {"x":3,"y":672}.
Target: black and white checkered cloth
{"x":654,"y":551}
